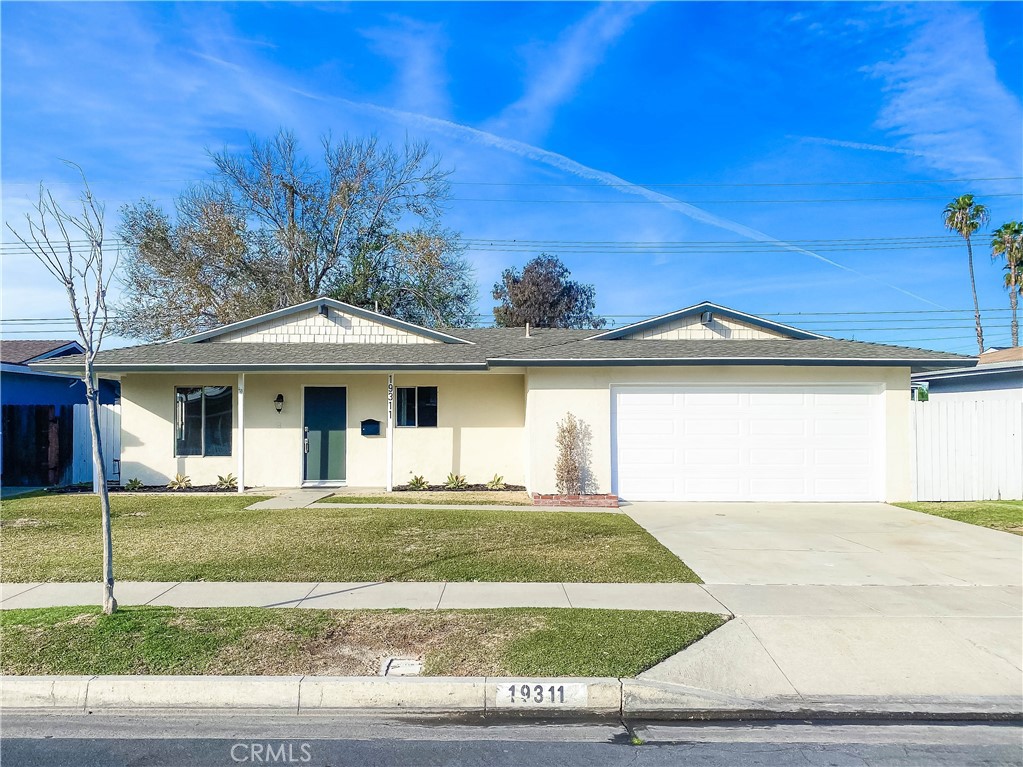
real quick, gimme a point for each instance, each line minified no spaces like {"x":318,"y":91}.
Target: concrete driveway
{"x":849,"y":544}
{"x":844,"y":601}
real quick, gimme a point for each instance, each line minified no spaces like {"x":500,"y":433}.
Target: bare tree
{"x":272,"y":228}
{"x":85,"y":277}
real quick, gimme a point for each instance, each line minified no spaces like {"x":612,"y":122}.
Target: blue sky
{"x":578,"y":123}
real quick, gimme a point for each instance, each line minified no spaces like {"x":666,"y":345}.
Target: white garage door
{"x":748,"y":443}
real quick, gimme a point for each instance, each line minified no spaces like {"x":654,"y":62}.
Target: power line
{"x":715,"y":202}
{"x":906,"y":182}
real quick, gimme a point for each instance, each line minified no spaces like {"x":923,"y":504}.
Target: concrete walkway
{"x":679,"y":597}
{"x":458,"y":507}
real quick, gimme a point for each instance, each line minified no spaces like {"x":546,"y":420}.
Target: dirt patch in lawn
{"x":356,"y":644}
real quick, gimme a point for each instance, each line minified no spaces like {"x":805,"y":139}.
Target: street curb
{"x":488,"y":696}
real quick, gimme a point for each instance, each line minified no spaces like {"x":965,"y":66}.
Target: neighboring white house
{"x":703,"y":404}
{"x":998,"y":375}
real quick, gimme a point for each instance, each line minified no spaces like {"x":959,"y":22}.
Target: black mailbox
{"x":371,"y":428}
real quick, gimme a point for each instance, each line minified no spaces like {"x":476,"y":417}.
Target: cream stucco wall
{"x":481,"y":420}
{"x":586,"y":392}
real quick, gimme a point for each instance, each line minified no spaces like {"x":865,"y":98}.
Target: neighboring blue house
{"x":38,"y":414}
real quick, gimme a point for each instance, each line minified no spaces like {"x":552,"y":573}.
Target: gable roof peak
{"x":714,"y":308}
{"x":322,"y":303}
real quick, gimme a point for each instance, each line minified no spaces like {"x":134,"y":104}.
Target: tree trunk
{"x":100,"y":470}
{"x":1013,"y":304}
{"x":976,"y":306}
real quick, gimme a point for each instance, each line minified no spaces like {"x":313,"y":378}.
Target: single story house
{"x":998,"y":375}
{"x":703,"y":404}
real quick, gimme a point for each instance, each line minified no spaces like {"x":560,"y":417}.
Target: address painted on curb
{"x":539,"y":694}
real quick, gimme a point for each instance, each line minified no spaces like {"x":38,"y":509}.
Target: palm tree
{"x":1007,"y":243}
{"x":964,"y":216}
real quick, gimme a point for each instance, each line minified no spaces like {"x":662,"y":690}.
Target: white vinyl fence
{"x":110,"y":434}
{"x":968,"y":451}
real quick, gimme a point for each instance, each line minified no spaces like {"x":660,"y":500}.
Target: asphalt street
{"x":219,"y":740}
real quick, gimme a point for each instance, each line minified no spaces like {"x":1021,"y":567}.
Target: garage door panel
{"x":776,"y":427}
{"x":746,"y":443}
{"x":777,"y":457}
{"x":710,"y":456}
{"x":640,"y":457}
{"x":757,"y":399}
{"x":710,"y":398}
{"x":707,"y":426}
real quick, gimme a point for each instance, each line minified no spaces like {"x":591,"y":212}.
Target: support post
{"x":95,"y":464}
{"x":241,"y":432}
{"x":390,"y":432}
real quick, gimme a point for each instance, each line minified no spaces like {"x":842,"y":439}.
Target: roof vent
{"x":706,"y":318}
{"x":323,"y":310}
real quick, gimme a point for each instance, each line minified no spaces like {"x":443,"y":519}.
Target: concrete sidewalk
{"x":676,"y":597}
{"x":789,"y":648}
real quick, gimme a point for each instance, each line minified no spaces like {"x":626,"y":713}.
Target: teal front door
{"x":323,"y":429}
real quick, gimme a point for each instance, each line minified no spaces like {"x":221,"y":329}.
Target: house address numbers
{"x":541,"y":693}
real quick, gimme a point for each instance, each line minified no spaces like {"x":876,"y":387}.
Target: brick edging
{"x":606,"y":501}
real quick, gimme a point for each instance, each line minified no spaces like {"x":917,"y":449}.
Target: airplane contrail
{"x":568,"y":165}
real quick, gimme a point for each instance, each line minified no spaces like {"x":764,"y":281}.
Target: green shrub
{"x":455,"y":482}
{"x":230,"y":482}
{"x":497,"y":483}
{"x":418,"y":482}
{"x":180,"y":482}
{"x":133,"y":485}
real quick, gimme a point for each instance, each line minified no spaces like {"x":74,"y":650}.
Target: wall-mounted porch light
{"x":279,"y":402}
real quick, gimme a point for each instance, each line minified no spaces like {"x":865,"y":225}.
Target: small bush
{"x":455,"y":482}
{"x":180,"y":482}
{"x":418,"y":482}
{"x":230,"y":482}
{"x":572,"y":469}
{"x":134,"y":484}
{"x":497,"y":483}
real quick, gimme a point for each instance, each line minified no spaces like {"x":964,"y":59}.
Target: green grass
{"x":998,"y":515}
{"x":504,"y":642}
{"x":188,"y":538}
{"x":467,"y":498}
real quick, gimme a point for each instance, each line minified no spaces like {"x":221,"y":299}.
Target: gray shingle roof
{"x":508,"y":347}
{"x":20,"y":352}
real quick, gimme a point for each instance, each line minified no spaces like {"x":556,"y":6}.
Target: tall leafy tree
{"x":272,"y":228}
{"x":544,"y":295}
{"x":1007,"y":244}
{"x":965,"y":216}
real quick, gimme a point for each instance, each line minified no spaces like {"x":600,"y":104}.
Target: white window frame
{"x":179,"y":420}
{"x":416,"y":424}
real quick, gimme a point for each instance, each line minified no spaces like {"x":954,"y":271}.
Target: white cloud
{"x":563,"y":66}
{"x":417,"y":50}
{"x":944,"y":101}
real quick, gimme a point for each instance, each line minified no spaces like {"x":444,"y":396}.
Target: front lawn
{"x":508,"y":642}
{"x":998,"y":515}
{"x":461,"y":498}
{"x":213,"y":538}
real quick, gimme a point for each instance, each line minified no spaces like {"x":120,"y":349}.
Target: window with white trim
{"x":203,"y":420}
{"x":416,"y":406}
